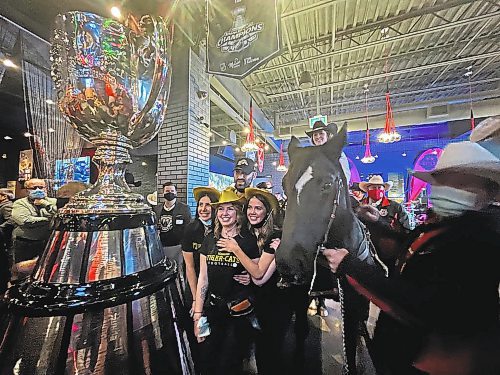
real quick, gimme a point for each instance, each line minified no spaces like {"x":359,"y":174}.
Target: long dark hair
{"x":263,"y":233}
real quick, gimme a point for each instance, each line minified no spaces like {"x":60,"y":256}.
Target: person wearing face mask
{"x":172,"y":217}
{"x":440,"y":309}
{"x":32,"y":217}
{"x":195,"y":233}
{"x":392,"y":223}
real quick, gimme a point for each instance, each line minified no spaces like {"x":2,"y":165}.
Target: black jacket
{"x":449,"y":287}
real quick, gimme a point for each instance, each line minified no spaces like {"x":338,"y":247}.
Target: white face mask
{"x":448,"y":201}
{"x":206,"y":223}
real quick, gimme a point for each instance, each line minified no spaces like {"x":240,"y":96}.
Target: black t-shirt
{"x":172,"y":222}
{"x":193,"y":239}
{"x":270,"y":284}
{"x":223,"y":265}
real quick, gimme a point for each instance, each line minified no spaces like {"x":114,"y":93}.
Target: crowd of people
{"x":439,"y":304}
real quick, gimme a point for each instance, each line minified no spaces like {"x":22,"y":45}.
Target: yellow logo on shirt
{"x":223,"y":258}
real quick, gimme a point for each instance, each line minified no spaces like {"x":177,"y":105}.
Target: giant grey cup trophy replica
{"x":102,"y":298}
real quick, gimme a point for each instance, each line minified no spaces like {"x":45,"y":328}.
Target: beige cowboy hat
{"x":375,"y":180}
{"x":487,"y":129}
{"x":466,"y":158}
{"x":152,"y":198}
{"x":229,"y":196}
{"x":211,"y":192}
{"x":270,"y":198}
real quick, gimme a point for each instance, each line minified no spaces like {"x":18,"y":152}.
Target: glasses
{"x":37,"y":187}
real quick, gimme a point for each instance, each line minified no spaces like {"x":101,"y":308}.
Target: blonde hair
{"x":240,"y":219}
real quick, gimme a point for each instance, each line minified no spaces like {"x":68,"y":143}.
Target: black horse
{"x":319,"y":213}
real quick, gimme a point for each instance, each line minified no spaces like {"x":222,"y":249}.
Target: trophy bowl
{"x":113,"y":82}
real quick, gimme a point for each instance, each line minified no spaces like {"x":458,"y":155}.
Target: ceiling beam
{"x":394,"y":59}
{"x":390,"y":74}
{"x":396,"y":38}
{"x":394,"y":95}
{"x":383,"y":22}
{"x":308,"y":8}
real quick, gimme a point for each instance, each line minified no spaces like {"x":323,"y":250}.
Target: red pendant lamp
{"x":281,"y":164}
{"x":250,"y":144}
{"x":368,"y":158}
{"x":390,"y":134}
{"x":472,"y":120}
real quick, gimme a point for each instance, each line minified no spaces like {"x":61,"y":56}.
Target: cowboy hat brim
{"x":312,"y":131}
{"x":201,"y":191}
{"x":270,"y":198}
{"x":365,"y":185}
{"x":152,"y":199}
{"x":229,"y":196}
{"x":487,"y":170}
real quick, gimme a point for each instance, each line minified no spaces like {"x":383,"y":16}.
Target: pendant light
{"x":250,"y":145}
{"x":368,"y":158}
{"x":281,"y":164}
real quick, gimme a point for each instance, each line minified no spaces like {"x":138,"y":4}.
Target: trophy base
{"x":102,"y":300}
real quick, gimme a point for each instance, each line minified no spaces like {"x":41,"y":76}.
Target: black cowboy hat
{"x":317,"y":126}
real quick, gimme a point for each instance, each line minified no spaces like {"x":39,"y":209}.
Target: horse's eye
{"x":327,"y":186}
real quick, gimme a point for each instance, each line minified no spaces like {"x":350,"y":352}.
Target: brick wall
{"x":183,"y":141}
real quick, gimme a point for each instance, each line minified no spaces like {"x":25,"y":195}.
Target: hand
{"x":242,"y":278}
{"x":228,"y":244}
{"x":39,"y":202}
{"x":368,"y":213}
{"x":275,"y":243}
{"x":335,"y":257}
{"x":197,"y":331}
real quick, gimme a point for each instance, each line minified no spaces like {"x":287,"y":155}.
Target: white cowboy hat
{"x":375,"y":180}
{"x":466,"y":158}
{"x":487,"y":129}
{"x":152,"y":198}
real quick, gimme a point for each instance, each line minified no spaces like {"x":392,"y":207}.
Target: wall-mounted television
{"x":76,"y":169}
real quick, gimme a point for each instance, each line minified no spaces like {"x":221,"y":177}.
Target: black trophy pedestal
{"x":101,"y":300}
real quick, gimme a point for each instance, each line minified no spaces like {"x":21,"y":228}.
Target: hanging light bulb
{"x":469,"y":75}
{"x":368,"y":158}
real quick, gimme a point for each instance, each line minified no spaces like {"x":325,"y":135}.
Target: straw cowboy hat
{"x":466,"y":158}
{"x":211,"y":192}
{"x":229,"y":196}
{"x":375,"y":180}
{"x":487,"y":129}
{"x":270,"y":198}
{"x":152,"y":198}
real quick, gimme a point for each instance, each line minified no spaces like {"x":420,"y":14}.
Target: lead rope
{"x":321,"y":247}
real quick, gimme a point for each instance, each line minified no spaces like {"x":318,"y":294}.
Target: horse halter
{"x":334,"y":211}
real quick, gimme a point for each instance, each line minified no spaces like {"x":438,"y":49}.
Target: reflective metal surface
{"x":113,"y":83}
{"x":102,"y":300}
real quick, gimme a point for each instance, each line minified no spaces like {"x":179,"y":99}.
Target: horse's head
{"x":312,"y":185}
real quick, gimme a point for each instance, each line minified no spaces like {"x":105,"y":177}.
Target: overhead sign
{"x":321,"y":118}
{"x":242,"y":35}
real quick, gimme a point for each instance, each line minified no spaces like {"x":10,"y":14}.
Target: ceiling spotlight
{"x":4,"y":156}
{"x":210,"y":134}
{"x":274,"y":163}
{"x":403,"y":154}
{"x":266,"y":147}
{"x":224,"y":142}
{"x":357,"y":157}
{"x":51,"y":130}
{"x":237,"y":149}
{"x":305,"y":81}
{"x":7,"y":138}
{"x":144,"y":163}
{"x":9,"y":63}
{"x":115,"y":12}
{"x":376,"y":156}
{"x":50,"y":102}
{"x":28,"y":134}
{"x":246,"y":130}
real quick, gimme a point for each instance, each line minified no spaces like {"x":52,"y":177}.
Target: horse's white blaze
{"x":302,"y":181}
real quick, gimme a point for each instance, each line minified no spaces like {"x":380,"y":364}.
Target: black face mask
{"x":170,"y":196}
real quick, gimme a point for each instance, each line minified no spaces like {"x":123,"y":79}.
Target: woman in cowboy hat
{"x":262,"y":209}
{"x":441,"y":306}
{"x":229,"y":306}
{"x":193,"y":237}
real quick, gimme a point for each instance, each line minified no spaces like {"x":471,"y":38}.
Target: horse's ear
{"x":293,"y":146}
{"x":335,"y":145}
